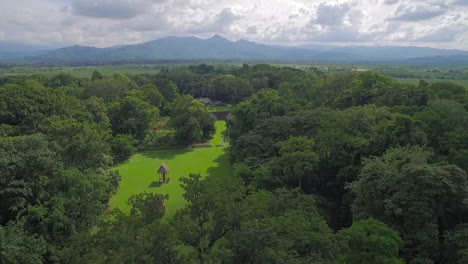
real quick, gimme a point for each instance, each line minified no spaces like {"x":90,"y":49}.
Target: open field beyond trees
{"x":139,"y":173}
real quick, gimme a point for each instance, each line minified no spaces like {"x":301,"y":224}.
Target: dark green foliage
{"x":62,"y":79}
{"x":282,"y":227}
{"x":67,"y":211}
{"x":456,"y":245}
{"x":370,"y":241}
{"x":150,"y":207}
{"x":296,"y":163}
{"x":230,"y":89}
{"x":123,"y":147}
{"x":170,"y":91}
{"x":417,"y":198}
{"x":81,"y":144}
{"x":136,"y":238}
{"x":17,"y":246}
{"x":377,"y":113}
{"x":264,"y":104}
{"x":191,"y":120}
{"x":28,"y":105}
{"x":108,"y":89}
{"x":152,"y":95}
{"x":96,"y":76}
{"x":132,"y":115}
{"x":24,"y":162}
{"x":356,"y":146}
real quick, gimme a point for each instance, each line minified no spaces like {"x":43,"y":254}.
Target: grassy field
{"x":415,"y":81}
{"x":220,"y":108}
{"x":218,"y":137}
{"x":81,"y":72}
{"x":139,"y":173}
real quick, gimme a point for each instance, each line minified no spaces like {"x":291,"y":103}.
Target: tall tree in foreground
{"x":139,"y":237}
{"x":17,"y":246}
{"x":413,"y":196}
{"x":370,"y":241}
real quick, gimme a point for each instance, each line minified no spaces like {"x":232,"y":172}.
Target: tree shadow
{"x":155,"y":184}
{"x":223,"y":167}
{"x":167,"y":154}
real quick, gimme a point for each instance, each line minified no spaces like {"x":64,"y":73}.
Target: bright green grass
{"x":218,"y":137}
{"x":226,"y":108}
{"x":139,"y":173}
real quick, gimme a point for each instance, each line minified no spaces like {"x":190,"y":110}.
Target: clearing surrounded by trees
{"x":139,"y":173}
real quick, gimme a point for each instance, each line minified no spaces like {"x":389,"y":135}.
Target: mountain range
{"x":219,"y":48}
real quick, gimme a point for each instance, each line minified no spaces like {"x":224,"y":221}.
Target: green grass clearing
{"x":139,"y":173}
{"x":226,"y":108}
{"x":218,"y":137}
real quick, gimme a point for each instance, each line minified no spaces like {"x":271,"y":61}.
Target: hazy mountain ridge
{"x":218,"y":48}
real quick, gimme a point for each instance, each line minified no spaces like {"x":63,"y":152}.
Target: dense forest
{"x":350,"y":167}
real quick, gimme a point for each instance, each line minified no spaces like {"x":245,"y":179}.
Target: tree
{"x":191,"y":120}
{"x":62,"y":79}
{"x":149,"y":207}
{"x":230,"y":89}
{"x":140,"y":237}
{"x":283,"y":226}
{"x":24,"y":162}
{"x":82,"y":145}
{"x":413,"y":196}
{"x":260,"y":143}
{"x":29,"y":104}
{"x":133,"y":116}
{"x":153,"y":95}
{"x":370,"y":241}
{"x":170,"y":91}
{"x":263,"y":104}
{"x":455,"y":250}
{"x":64,"y":210}
{"x":123,"y":147}
{"x":297,"y":162}
{"x":109,"y":89}
{"x":210,"y":215}
{"x":96,"y":76}
{"x":17,"y":246}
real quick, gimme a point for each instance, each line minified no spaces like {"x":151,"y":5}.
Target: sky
{"x":103,"y":23}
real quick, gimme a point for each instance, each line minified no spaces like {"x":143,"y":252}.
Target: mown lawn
{"x":218,"y":137}
{"x":139,"y":173}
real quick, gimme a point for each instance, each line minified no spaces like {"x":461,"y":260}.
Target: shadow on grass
{"x":167,"y":154}
{"x":155,"y":184}
{"x":223,"y":167}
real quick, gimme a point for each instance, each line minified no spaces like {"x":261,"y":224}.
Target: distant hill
{"x":439,"y":60}
{"x":218,"y":48}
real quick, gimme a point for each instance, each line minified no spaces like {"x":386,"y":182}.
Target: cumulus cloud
{"x":439,"y":23}
{"x":113,"y":9}
{"x":416,"y":11}
{"x":450,"y":28}
{"x":390,"y":2}
{"x":220,"y":23}
{"x":332,"y":14}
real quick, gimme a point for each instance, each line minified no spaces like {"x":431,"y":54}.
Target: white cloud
{"x":438,"y":23}
{"x":113,"y":9}
{"x":417,"y":11}
{"x":332,"y":14}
